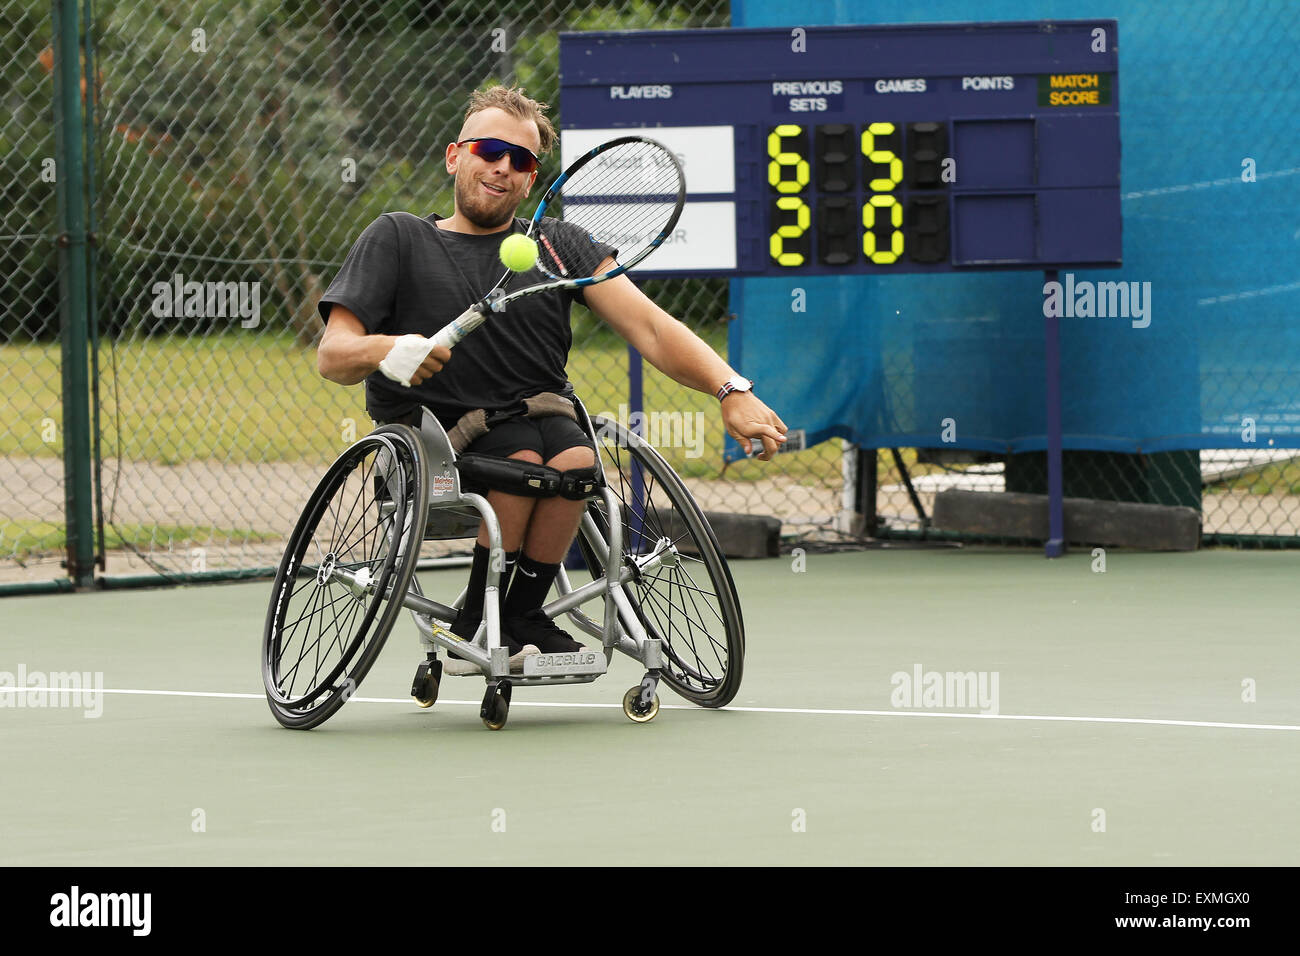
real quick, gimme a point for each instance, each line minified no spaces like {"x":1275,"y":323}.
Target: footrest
{"x":575,"y":662}
{"x":455,"y":667}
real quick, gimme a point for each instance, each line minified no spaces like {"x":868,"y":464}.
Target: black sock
{"x":471,"y":612}
{"x":512,"y":560}
{"x":528,"y":590}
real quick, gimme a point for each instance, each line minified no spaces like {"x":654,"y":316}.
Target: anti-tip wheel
{"x":630,"y":707}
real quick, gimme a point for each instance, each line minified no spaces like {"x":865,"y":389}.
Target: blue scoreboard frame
{"x":868,"y":149}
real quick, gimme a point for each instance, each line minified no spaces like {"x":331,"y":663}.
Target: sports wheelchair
{"x":665,"y":593}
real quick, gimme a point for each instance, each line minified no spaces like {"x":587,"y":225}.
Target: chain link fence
{"x":238,"y":148}
{"x":235,"y":149}
{"x":31,"y":466}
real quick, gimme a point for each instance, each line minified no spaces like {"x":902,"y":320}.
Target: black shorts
{"x":546,"y":436}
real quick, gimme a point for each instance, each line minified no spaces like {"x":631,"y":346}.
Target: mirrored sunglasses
{"x":491,"y":150}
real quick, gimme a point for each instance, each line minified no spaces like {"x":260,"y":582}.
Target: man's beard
{"x":475,"y":208}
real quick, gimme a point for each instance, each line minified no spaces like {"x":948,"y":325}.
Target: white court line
{"x":751,"y":710}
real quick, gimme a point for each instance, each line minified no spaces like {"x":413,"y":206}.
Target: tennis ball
{"x":518,"y":252}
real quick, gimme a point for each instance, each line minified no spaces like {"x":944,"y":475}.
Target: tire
{"x":308,"y":680}
{"x":692,"y":608}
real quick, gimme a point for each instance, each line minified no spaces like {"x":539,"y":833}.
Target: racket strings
{"x":625,"y":196}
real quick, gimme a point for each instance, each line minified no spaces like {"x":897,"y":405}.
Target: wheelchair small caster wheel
{"x":496,"y":707}
{"x":425,"y":686}
{"x":498,"y":711}
{"x":632,"y":708}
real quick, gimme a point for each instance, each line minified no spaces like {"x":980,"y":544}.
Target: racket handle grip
{"x":450,"y":334}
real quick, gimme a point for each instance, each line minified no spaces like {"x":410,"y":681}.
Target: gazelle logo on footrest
{"x":574,"y":662}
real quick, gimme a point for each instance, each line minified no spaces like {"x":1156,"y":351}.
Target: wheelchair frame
{"x":417,"y":497}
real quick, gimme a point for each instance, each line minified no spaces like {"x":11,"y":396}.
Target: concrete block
{"x":1120,"y":524}
{"x":739,"y":535}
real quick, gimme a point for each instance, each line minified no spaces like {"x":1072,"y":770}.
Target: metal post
{"x":74,"y":291}
{"x":1055,"y":486}
{"x":636,"y":414}
{"x":866,"y":478}
{"x":92,"y":273}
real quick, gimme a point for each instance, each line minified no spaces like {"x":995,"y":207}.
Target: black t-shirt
{"x":405,"y":275}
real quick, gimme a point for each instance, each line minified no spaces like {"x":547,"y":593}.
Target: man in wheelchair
{"x":505,"y":396}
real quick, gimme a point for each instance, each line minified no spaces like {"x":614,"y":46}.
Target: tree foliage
{"x":254,"y":139}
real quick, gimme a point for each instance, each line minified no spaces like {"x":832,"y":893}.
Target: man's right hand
{"x":413,"y":358}
{"x":433,"y":362}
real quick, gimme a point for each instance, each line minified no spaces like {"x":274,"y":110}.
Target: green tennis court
{"x":1120,"y":736}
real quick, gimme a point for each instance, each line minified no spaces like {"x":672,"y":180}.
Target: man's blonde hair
{"x":514,"y":102}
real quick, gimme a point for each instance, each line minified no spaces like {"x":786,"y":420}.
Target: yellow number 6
{"x":781,"y":159}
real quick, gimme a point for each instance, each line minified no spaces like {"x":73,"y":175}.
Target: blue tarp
{"x":1208,"y":90}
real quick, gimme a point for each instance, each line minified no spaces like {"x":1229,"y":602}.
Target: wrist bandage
{"x":405,"y":357}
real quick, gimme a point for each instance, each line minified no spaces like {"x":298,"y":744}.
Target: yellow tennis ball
{"x":518,"y":252}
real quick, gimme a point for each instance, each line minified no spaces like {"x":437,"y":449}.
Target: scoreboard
{"x":867,"y":149}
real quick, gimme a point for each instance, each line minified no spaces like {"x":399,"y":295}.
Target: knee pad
{"x":510,"y":475}
{"x":527,"y":479}
{"x":579,"y":483}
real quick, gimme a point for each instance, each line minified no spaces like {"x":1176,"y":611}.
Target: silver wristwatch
{"x":736,"y":384}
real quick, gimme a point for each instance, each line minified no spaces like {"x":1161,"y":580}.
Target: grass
{"x":24,"y":538}
{"x":242,"y":397}
{"x":1275,"y":478}
{"x":233,"y":398}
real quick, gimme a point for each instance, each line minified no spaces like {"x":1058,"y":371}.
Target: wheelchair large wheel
{"x":343,"y":576}
{"x":691,"y":606}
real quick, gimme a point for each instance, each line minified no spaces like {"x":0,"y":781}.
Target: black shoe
{"x":536,"y":628}
{"x":465,"y":628}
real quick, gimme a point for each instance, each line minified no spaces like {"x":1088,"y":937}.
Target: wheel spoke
{"x":335,"y":547}
{"x":308,"y":579}
{"x":293,"y":673}
{"x":692,"y":624}
{"x":347,"y":522}
{"x":696,"y":589}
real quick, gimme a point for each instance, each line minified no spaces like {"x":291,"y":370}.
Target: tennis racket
{"x":628,"y":192}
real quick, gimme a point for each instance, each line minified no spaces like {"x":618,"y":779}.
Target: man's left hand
{"x":745,"y":417}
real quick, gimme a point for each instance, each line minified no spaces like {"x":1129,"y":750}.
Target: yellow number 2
{"x":776,"y":243}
